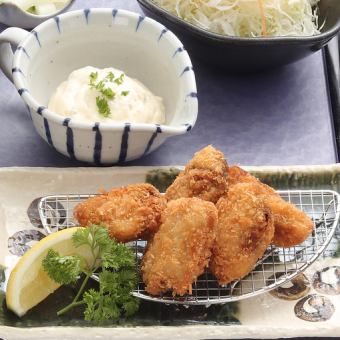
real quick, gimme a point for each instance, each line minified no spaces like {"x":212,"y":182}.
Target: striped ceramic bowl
{"x":140,"y":46}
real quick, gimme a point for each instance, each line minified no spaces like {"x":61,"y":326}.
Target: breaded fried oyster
{"x":292,"y":226}
{"x":181,"y":249}
{"x":205,"y":177}
{"x":86,"y":212}
{"x":244,"y":231}
{"x":128,"y":213}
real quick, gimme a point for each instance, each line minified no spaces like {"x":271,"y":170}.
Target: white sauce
{"x":39,"y":7}
{"x":75,"y":99}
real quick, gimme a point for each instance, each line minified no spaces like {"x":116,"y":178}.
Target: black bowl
{"x":248,"y":53}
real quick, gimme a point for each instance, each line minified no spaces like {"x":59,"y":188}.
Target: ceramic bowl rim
{"x":149,"y":4}
{"x":189,"y":87}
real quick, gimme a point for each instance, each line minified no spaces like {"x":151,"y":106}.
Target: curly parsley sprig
{"x":2,"y":274}
{"x":117,"y":278}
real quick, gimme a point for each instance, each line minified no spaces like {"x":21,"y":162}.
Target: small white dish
{"x":141,"y":47}
{"x":12,"y":15}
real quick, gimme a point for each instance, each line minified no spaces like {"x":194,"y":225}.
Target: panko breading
{"x":86,"y":212}
{"x":245,"y":230}
{"x":292,"y":226}
{"x":181,"y":249}
{"x":128,"y":213}
{"x":205,"y":177}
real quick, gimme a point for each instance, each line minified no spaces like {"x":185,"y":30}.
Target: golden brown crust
{"x":129,"y":212}
{"x":86,"y":212}
{"x":181,"y":249}
{"x":237,"y":175}
{"x":245,"y":230}
{"x":205,"y":177}
{"x":292,"y":226}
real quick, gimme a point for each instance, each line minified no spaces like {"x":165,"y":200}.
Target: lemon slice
{"x":28,"y":283}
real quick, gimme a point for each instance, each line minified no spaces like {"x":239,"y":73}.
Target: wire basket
{"x":277,"y":266}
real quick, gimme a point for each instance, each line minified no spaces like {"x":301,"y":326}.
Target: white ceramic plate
{"x":265,"y":316}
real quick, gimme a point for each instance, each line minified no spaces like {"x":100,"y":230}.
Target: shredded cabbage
{"x":248,"y":18}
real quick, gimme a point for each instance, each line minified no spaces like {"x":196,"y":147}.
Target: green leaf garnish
{"x":108,"y":93}
{"x":100,"y":86}
{"x":93,"y":78}
{"x":116,"y":255}
{"x":110,"y":77}
{"x":62,"y":269}
{"x":116,"y":280}
{"x":103,"y":106}
{"x":2,"y":274}
{"x":120,"y":79}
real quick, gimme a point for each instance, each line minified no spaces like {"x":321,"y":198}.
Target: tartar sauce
{"x":121,"y":98}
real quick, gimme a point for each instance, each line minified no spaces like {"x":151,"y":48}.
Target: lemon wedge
{"x":28,"y":283}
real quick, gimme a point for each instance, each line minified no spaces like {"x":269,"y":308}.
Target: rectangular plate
{"x":269,"y":315}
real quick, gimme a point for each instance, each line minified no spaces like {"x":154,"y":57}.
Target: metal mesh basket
{"x":277,"y":266}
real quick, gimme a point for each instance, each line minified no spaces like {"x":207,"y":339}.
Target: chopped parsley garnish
{"x":110,"y":76}
{"x":93,"y":78}
{"x":117,"y":278}
{"x":120,"y":79}
{"x":2,"y":274}
{"x":106,"y":92}
{"x":103,"y":106}
{"x":100,"y":86}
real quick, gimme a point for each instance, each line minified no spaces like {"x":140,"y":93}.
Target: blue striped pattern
{"x":162,"y":33}
{"x":124,"y":144}
{"x":152,"y":139}
{"x":114,"y":13}
{"x":87,"y":13}
{"x":57,"y":21}
{"x":40,"y":110}
{"x":97,"y":145}
{"x":48,"y":132}
{"x":98,"y":136}
{"x":21,"y":91}
{"x":140,"y":19}
{"x":69,"y":139}
{"x":17,"y":69}
{"x":20,"y":48}
{"x":187,"y":69}
{"x":35,"y":33}
{"x":179,"y":50}
{"x":189,"y":127}
{"x":192,"y":95}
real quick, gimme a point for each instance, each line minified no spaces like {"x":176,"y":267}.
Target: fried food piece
{"x":237,"y":175}
{"x":292,"y":226}
{"x":128,"y":213}
{"x":205,"y":177}
{"x":86,"y":212}
{"x":181,"y":249}
{"x":244,"y":231}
